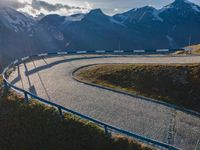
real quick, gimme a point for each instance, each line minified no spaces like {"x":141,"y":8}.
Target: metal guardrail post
{"x":5,"y":85}
{"x":106,"y":129}
{"x":172,"y":148}
{"x":197,"y":145}
{"x":26,"y":96}
{"x":60,"y":112}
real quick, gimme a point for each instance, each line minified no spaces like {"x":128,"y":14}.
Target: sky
{"x":68,"y":7}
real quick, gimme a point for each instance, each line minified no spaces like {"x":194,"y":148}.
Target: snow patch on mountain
{"x":186,"y":1}
{"x":141,"y":17}
{"x":122,"y":18}
{"x":196,"y":8}
{"x":77,"y":17}
{"x":16,"y":20}
{"x":193,"y":6}
{"x":171,"y":40}
{"x":156,"y":16}
{"x":56,"y":33}
{"x":114,"y":21}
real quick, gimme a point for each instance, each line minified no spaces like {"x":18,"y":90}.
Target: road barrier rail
{"x":107,"y":127}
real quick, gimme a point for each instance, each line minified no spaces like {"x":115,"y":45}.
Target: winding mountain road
{"x":51,"y":78}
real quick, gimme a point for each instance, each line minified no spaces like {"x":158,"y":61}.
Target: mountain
{"x":174,"y":23}
{"x":14,"y":28}
{"x":95,"y":31}
{"x":16,"y":21}
{"x":21,"y":35}
{"x":172,"y":26}
{"x":181,"y":20}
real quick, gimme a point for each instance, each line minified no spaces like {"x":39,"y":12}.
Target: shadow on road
{"x":18,"y":78}
{"x":46,"y":66}
{"x":42,"y":83}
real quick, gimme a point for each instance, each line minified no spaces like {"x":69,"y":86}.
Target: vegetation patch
{"x":177,"y":84}
{"x":36,"y":126}
{"x":195,"y":49}
{"x":1,"y":85}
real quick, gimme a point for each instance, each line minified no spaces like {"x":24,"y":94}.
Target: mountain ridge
{"x":173,"y":26}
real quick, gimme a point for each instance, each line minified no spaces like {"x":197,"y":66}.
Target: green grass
{"x":32,"y":125}
{"x":176,"y":84}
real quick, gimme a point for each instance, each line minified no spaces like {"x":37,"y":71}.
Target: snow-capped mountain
{"x":174,"y":23}
{"x":139,"y":15}
{"x":180,"y":5}
{"x":172,"y":26}
{"x":21,"y":35}
{"x":15,"y":20}
{"x":56,"y":20}
{"x":75,"y":17}
{"x":179,"y":9}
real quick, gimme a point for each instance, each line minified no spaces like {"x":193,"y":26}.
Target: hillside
{"x":175,"y":84}
{"x":36,"y":126}
{"x":195,"y":49}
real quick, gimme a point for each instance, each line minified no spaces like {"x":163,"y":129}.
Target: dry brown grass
{"x":176,"y":84}
{"x":195,"y":50}
{"x":36,"y":126}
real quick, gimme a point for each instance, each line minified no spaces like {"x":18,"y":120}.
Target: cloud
{"x":88,"y":5}
{"x":116,"y":10}
{"x":37,"y":7}
{"x":12,"y":3}
{"x":37,"y":4}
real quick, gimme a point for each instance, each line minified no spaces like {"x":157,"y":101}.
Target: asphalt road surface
{"x":51,"y":78}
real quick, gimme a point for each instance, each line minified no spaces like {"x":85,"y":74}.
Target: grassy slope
{"x":176,"y":84}
{"x":35,"y":126}
{"x":195,"y":50}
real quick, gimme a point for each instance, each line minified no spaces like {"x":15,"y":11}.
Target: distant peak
{"x":184,"y":5}
{"x":96,"y":12}
{"x":147,"y":8}
{"x":182,"y":2}
{"x":53,"y":15}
